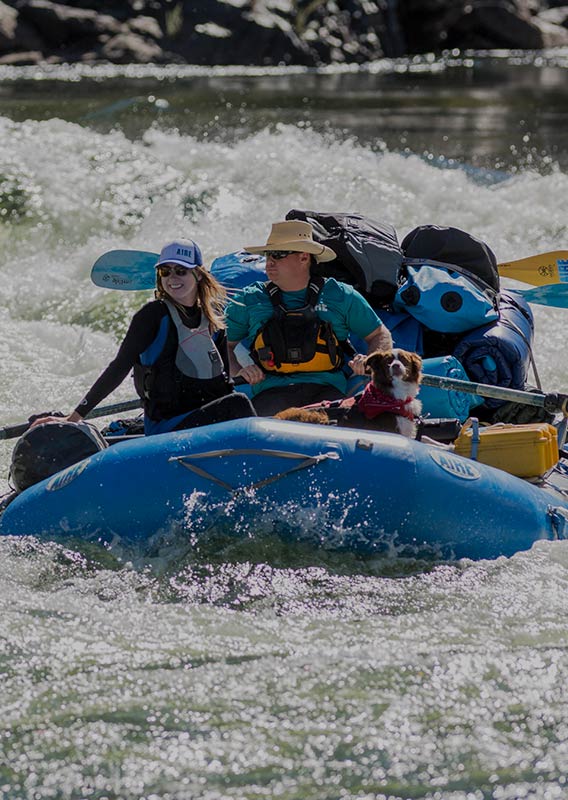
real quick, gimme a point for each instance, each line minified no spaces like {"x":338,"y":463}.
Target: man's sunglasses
{"x":278,"y":255}
{"x":165,"y":272}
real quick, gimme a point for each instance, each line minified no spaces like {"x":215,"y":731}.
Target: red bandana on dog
{"x":373,"y":402}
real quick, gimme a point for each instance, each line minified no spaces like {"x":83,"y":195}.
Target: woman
{"x":177,"y":346}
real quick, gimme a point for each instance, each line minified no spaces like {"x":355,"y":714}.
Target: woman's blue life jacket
{"x":182,"y":369}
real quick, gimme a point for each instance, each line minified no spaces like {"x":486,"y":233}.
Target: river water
{"x":257,"y":670}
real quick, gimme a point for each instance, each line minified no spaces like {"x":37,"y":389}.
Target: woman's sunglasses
{"x":278,"y":255}
{"x":165,"y":272}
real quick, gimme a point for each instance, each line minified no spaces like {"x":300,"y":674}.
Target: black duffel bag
{"x":50,"y":447}
{"x":368,"y":253}
{"x":453,"y":246}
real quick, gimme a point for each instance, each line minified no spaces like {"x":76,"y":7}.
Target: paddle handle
{"x":13,"y":431}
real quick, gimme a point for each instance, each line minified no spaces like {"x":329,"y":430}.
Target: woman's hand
{"x":251,"y":374}
{"x":73,"y":417}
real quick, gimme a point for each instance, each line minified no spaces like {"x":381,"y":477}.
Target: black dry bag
{"x":452,"y":246}
{"x":50,"y":447}
{"x":368,"y":254}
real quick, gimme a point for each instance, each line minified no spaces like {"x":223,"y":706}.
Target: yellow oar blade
{"x":538,"y":270}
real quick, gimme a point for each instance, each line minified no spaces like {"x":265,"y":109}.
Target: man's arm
{"x":379,"y":339}
{"x":251,"y":373}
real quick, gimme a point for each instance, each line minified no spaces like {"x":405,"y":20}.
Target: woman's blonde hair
{"x":211,"y":297}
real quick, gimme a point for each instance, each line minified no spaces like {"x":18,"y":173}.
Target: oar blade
{"x":539,"y":270}
{"x":554,"y":295}
{"x":129,"y":270}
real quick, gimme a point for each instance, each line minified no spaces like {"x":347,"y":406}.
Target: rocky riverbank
{"x":268,"y":32}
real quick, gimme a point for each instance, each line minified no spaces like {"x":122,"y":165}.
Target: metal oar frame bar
{"x":554,"y":403}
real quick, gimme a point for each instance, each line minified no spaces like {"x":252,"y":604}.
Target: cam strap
{"x":305,"y":461}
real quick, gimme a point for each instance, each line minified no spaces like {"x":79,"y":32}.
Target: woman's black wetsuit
{"x":212,"y":400}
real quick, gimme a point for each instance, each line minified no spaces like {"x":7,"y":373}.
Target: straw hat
{"x":295,"y":236}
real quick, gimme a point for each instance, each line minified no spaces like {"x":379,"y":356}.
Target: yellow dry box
{"x":526,"y":451}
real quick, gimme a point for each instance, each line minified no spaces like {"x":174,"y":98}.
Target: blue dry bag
{"x":445,"y":299}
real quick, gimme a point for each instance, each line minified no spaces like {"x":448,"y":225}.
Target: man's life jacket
{"x":297,"y":340}
{"x":181,"y":370}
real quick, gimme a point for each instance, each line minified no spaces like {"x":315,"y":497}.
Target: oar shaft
{"x":553,"y":403}
{"x":13,"y":431}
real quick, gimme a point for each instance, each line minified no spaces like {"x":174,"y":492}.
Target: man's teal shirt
{"x":338,"y":303}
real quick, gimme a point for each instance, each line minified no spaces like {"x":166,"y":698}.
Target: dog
{"x":299,"y":414}
{"x":389,"y":401}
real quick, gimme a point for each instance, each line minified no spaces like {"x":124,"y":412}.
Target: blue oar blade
{"x":552,"y":294}
{"x":129,"y":270}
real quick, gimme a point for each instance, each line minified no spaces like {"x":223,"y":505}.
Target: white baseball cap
{"x":184,"y":252}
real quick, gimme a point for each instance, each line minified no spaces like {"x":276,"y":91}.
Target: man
{"x":298,"y":325}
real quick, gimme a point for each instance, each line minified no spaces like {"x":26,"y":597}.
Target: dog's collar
{"x":374,"y":401}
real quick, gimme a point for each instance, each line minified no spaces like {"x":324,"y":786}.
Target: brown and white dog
{"x":389,"y":401}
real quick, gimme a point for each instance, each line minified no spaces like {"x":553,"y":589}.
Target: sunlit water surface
{"x":255,"y":669}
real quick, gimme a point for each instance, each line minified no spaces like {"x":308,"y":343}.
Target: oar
{"x":539,"y":270}
{"x":553,"y":403}
{"x":13,"y":431}
{"x":554,"y":295}
{"x":133,"y":270}
{"x":130,"y":270}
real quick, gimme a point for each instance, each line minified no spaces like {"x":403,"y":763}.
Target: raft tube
{"x":341,"y":489}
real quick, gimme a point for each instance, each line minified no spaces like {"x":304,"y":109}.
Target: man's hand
{"x":252,"y":374}
{"x":357,"y":364}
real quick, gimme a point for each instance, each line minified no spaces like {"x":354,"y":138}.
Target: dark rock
{"x":59,"y":24}
{"x":353,"y":31}
{"x":218,"y":32}
{"x":271,"y":32}
{"x":282,"y":32}
{"x":440,"y":24}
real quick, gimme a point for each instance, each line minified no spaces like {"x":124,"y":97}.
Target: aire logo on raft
{"x":457,"y":466}
{"x":64,"y":478}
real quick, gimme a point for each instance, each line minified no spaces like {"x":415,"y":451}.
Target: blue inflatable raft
{"x":369,"y":493}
